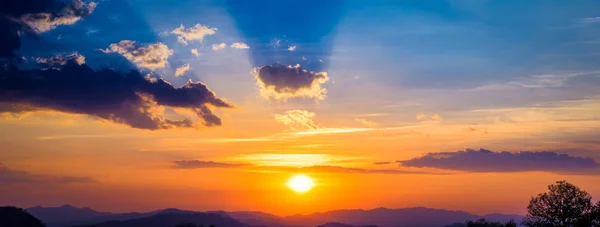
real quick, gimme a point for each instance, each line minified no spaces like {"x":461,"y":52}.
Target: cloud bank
{"x":196,"y":33}
{"x":489,"y":161}
{"x":282,"y":82}
{"x":125,"y":98}
{"x":31,"y":17}
{"x":151,"y":57}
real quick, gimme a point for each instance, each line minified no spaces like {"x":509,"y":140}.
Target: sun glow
{"x":300,"y":183}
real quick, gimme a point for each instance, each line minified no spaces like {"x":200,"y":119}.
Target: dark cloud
{"x":197,"y":164}
{"x":489,"y":161}
{"x":126,"y":98}
{"x":282,"y":82}
{"x":60,"y":60}
{"x":31,"y":17}
{"x":9,"y":176}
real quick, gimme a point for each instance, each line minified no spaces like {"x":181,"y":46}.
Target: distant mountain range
{"x":383,"y":217}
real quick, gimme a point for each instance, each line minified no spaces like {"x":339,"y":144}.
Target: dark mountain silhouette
{"x":255,"y":218}
{"x":337,"y":224}
{"x":17,"y":217}
{"x":68,"y":215}
{"x":167,"y":219}
{"x":384,"y":217}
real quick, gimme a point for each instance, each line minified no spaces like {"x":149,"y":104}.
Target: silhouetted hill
{"x":258,"y":218}
{"x":17,"y":217}
{"x":337,"y":224}
{"x":384,"y":217}
{"x":65,"y":213}
{"x":167,"y":219}
{"x":68,"y":215}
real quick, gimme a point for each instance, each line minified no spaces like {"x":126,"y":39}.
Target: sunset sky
{"x":139,"y":105}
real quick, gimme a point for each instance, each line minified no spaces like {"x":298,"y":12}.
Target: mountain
{"x":384,"y":217}
{"x":258,"y":218}
{"x":17,"y":217}
{"x":65,"y":213}
{"x":168,"y":219}
{"x":68,"y":215}
{"x":337,"y":224}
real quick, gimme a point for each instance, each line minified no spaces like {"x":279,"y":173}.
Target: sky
{"x":138,"y":105}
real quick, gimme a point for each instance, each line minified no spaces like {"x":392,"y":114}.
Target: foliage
{"x":485,"y":223}
{"x":564,"y":205}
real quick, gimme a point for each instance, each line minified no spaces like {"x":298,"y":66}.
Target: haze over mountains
{"x":383,"y":217}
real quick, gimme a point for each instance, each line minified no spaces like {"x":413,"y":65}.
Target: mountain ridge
{"x":381,"y":216}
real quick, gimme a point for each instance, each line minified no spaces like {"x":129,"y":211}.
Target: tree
{"x":564,"y":205}
{"x":485,"y":223}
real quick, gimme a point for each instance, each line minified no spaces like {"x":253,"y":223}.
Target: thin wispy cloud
{"x":366,"y":122}
{"x":297,"y":119}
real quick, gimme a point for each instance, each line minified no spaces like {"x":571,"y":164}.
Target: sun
{"x":300,"y":183}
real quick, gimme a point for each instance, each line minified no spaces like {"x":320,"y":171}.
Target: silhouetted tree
{"x":485,"y":223}
{"x":17,"y":217}
{"x":564,"y":205}
{"x":186,"y":225}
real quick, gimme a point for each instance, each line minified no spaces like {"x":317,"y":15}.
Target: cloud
{"x":428,"y":117}
{"x":195,"y":52}
{"x":589,"y":20}
{"x":282,"y":82}
{"x":367,"y":122}
{"x":10,"y":176}
{"x":297,"y":119}
{"x":152,"y":57}
{"x":239,"y":45}
{"x":125,"y":98}
{"x":182,"y":70}
{"x":382,"y":163}
{"x":198,"y":32}
{"x":60,"y":60}
{"x":489,"y":161}
{"x":292,"y":48}
{"x":197,"y":164}
{"x":71,"y":12}
{"x":220,"y":46}
{"x":31,"y":17}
